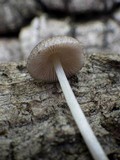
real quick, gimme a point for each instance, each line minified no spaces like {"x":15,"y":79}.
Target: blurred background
{"x":24,"y":23}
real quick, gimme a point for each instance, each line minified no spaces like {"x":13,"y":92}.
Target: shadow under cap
{"x":67,"y":49}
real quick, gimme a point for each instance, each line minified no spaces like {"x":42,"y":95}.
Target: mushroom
{"x":57,"y":58}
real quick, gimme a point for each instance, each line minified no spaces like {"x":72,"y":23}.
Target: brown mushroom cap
{"x":67,"y":49}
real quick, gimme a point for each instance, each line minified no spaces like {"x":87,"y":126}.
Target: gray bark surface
{"x":14,"y":14}
{"x":35,"y":121}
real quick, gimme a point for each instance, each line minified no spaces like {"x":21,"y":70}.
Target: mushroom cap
{"x":67,"y":49}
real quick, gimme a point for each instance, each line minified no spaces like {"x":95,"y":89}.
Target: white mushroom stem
{"x":79,"y":117}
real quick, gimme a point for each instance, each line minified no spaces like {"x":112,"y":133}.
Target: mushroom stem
{"x":79,"y":117}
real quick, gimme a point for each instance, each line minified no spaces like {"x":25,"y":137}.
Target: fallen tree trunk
{"x":35,"y":121}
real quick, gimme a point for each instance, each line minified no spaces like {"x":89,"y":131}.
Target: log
{"x":35,"y":121}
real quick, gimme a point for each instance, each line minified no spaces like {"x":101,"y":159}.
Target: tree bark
{"x":35,"y":121}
